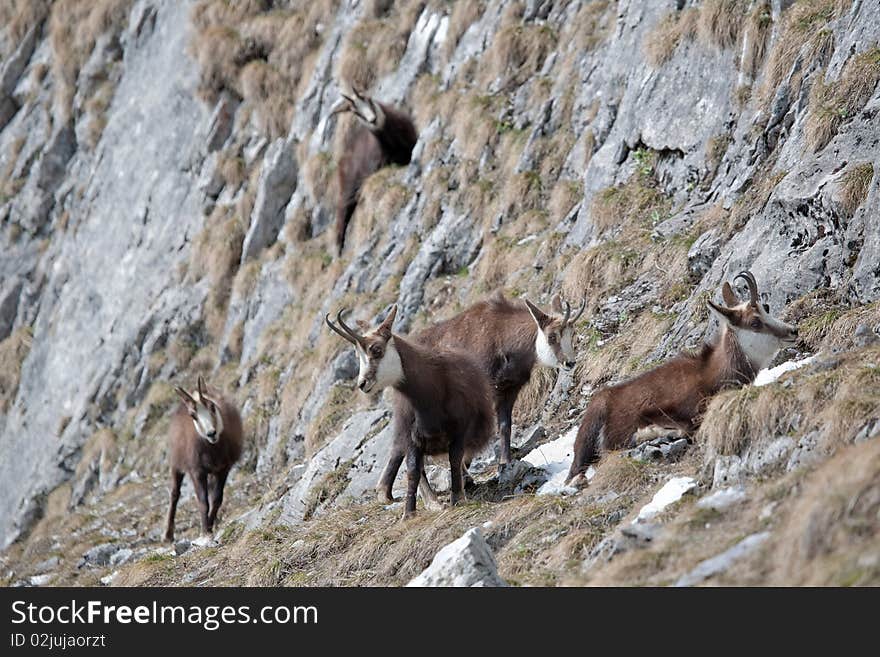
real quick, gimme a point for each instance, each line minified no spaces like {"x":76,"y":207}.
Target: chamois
{"x":507,"y":339}
{"x":674,"y":395}
{"x":449,"y":393}
{"x":206,"y":438}
{"x":384,"y":136}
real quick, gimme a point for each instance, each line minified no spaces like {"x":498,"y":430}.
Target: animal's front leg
{"x":216,"y":498}
{"x":176,"y":479}
{"x":200,"y":483}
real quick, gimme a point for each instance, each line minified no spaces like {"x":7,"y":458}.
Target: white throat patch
{"x":545,"y":353}
{"x":759,"y":348}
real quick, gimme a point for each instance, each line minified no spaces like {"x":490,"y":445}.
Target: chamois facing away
{"x":674,"y":395}
{"x":449,"y":393}
{"x":384,"y":136}
{"x":206,"y":438}
{"x":507,"y":339}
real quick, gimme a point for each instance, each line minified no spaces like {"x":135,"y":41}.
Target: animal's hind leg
{"x":176,"y":480}
{"x":456,"y":457}
{"x":414,"y":469}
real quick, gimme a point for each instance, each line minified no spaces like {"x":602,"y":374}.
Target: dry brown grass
{"x":854,"y":186}
{"x":216,"y":254}
{"x":74,"y":27}
{"x":518,"y":49}
{"x":660,"y":43}
{"x":720,"y":22}
{"x":13,"y":350}
{"x":832,"y":105}
{"x":830,"y":537}
{"x":836,"y":400}
{"x":756,"y":34}
{"x":464,"y":14}
{"x":634,"y":205}
{"x":803,"y":31}
{"x":17,"y":17}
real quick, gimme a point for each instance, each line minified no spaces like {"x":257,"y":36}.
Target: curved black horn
{"x":581,"y":309}
{"x":337,"y":330}
{"x":358,"y":338}
{"x":749,"y":278}
{"x":567,"y":313}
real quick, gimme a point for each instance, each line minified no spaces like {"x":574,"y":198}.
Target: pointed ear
{"x":728,"y":295}
{"x":385,"y":327}
{"x":556,"y":304}
{"x":541,"y":318}
{"x":723,"y":313}
{"x":185,"y":397}
{"x":202,"y":387}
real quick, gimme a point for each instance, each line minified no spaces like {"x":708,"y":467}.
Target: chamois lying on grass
{"x":507,"y":339}
{"x":674,"y":395}
{"x":206,"y":438}
{"x":385,"y":135}
{"x":449,"y":393}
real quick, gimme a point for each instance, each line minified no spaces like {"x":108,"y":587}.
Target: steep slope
{"x":168,"y":183}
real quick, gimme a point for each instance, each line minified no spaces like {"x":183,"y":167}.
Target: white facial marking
{"x":390,"y":369}
{"x":544,"y":351}
{"x":760,"y":348}
{"x":205,"y":421}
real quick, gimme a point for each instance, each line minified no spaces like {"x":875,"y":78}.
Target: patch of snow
{"x":554,"y":458}
{"x":106,"y":580}
{"x":41,"y":580}
{"x":769,"y":376}
{"x":527,"y":239}
{"x":205,"y":540}
{"x":722,"y":499}
{"x":671,"y":492}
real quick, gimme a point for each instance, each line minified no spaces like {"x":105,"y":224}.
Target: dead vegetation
{"x":854,"y":186}
{"x":836,"y":399}
{"x":803,"y":33}
{"x":13,"y":350}
{"x":660,"y":43}
{"x":831,"y":105}
{"x":720,"y":22}
{"x":74,"y":28}
{"x":17,"y":18}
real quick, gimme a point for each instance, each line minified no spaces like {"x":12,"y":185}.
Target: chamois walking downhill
{"x":206,"y":439}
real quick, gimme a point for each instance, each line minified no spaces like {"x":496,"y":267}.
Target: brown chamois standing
{"x":449,"y":392}
{"x":507,"y":339}
{"x":384,"y":136}
{"x":674,"y":395}
{"x":206,"y":438}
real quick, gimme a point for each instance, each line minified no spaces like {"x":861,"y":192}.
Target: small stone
{"x":723,"y":498}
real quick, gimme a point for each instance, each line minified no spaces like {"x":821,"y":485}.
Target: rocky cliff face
{"x":168,"y":179}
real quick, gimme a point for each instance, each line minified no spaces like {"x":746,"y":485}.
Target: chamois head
{"x":554,"y":342}
{"x":363,"y":107}
{"x":204,"y":411}
{"x":379,"y":361}
{"x":759,"y":333}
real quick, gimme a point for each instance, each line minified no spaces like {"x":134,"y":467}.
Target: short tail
{"x":587,"y":444}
